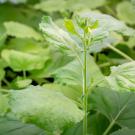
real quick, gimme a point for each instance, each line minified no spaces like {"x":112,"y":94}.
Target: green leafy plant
{"x":63,"y":39}
{"x":78,"y":79}
{"x":79,"y":40}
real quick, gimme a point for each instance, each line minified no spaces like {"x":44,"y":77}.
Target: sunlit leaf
{"x":102,"y":36}
{"x":20,"y":61}
{"x":70,"y":26}
{"x":56,"y":35}
{"x":126,"y":12}
{"x":73,"y":92}
{"x":2,"y":73}
{"x":72,"y":73}
{"x":52,"y":5}
{"x":21,"y":82}
{"x":21,"y":30}
{"x":3,"y":104}
{"x":35,"y":105}
{"x":122,"y":77}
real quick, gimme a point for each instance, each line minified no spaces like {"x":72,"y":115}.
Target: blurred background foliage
{"x":19,"y":31}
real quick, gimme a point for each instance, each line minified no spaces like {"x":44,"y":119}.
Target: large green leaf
{"x":72,"y":73}
{"x":124,"y":131}
{"x":52,"y":5}
{"x":97,"y":123}
{"x":2,"y":73}
{"x":73,"y":92}
{"x":16,"y":14}
{"x":126,"y":12}
{"x":3,"y":104}
{"x":117,"y":106}
{"x":10,"y":126}
{"x":122,"y":77}
{"x":28,"y":46}
{"x":19,"y":61}
{"x":56,"y":35}
{"x":20,"y":82}
{"x":47,"y":109}
{"x":21,"y":30}
{"x":57,"y":60}
{"x":109,"y":23}
{"x":102,"y":36}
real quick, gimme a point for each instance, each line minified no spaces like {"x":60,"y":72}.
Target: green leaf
{"x":20,"y":61}
{"x":72,"y":5}
{"x":47,"y":109}
{"x":56,"y":35}
{"x":21,"y":82}
{"x":117,"y":106}
{"x":2,"y":73}
{"x":10,"y":126}
{"x":28,"y":46}
{"x":103,"y":35}
{"x":51,"y":5}
{"x":3,"y":104}
{"x":19,"y":30}
{"x":126,"y":12}
{"x":72,"y":92}
{"x":70,"y":26}
{"x":71,"y":73}
{"x":97,"y":123}
{"x":131,"y":42}
{"x":16,"y":14}
{"x":95,"y":25}
{"x":108,"y":23}
{"x":124,"y":131}
{"x":57,"y":60}
{"x":122,"y":77}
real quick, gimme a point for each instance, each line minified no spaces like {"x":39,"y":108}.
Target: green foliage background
{"x":40,"y":84}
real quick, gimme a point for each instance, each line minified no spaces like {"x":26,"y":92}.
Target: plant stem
{"x":109,"y":127}
{"x":6,"y":82}
{"x":24,"y":74}
{"x":120,"y":53}
{"x":85,"y":90}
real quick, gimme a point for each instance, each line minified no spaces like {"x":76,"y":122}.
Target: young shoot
{"x":82,"y":28}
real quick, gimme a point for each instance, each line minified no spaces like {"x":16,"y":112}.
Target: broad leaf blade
{"x":102,"y":36}
{"x":21,"y":30}
{"x":115,"y":105}
{"x":122,"y":76}
{"x":9,"y":126}
{"x":71,"y":73}
{"x":126,"y":12}
{"x":20,"y":61}
{"x":47,"y":109}
{"x":72,"y":92}
{"x":56,"y":35}
{"x":124,"y":131}
{"x":3,"y":104}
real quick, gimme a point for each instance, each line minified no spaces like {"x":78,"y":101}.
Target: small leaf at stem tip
{"x":87,"y":30}
{"x":95,"y":25}
{"x":70,"y":26}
